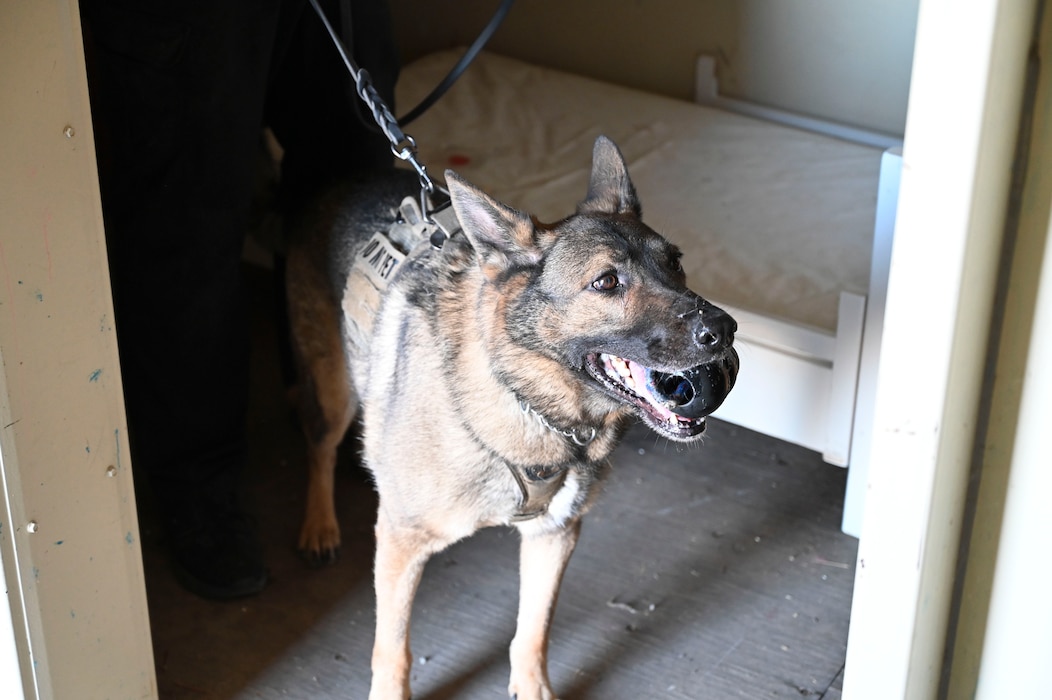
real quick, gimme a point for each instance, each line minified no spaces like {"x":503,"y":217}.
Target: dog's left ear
{"x":502,"y":237}
{"x":610,"y":190}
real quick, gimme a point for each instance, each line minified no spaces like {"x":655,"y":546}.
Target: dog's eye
{"x":607,"y":282}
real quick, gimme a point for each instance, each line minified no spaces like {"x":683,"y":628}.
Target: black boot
{"x":215,"y":548}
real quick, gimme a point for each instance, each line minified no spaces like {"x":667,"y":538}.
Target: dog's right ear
{"x":610,"y":190}
{"x":502,"y":237}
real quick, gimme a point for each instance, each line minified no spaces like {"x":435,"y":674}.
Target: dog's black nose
{"x":715,"y":329}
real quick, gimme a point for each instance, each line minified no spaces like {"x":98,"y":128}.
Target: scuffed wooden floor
{"x":704,"y":573}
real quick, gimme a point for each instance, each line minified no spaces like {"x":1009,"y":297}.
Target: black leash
{"x":402,"y":144}
{"x":461,"y":65}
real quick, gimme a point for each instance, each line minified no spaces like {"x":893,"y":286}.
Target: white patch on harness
{"x":369,"y":276}
{"x":375,"y":265}
{"x":379,"y":259}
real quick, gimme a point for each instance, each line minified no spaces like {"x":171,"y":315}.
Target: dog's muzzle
{"x":698,"y":391}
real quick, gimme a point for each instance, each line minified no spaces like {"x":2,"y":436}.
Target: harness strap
{"x":446,"y":225}
{"x":538,"y":486}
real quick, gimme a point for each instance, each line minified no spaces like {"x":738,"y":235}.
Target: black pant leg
{"x":312,"y":105}
{"x":177,"y":95}
{"x":314,"y":111}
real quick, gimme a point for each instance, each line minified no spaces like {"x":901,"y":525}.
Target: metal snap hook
{"x":584,"y":441}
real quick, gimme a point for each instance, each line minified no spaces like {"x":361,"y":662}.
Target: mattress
{"x":772,"y":219}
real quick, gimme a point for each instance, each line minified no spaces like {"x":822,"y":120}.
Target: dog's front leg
{"x":401,"y":554}
{"x":542,"y":562}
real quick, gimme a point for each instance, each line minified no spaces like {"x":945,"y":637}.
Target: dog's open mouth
{"x":673,"y":404}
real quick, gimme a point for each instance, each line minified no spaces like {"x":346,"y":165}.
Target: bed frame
{"x":808,"y":386}
{"x":815,"y":388}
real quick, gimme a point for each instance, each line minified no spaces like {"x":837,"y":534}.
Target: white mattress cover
{"x":771,"y":219}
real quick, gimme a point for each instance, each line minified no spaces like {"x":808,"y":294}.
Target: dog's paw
{"x":389,"y":689}
{"x":319,"y":543}
{"x":532,"y":688}
{"x":545,"y":694}
{"x":317,"y":559}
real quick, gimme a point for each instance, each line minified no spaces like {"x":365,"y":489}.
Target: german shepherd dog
{"x":496,"y":377}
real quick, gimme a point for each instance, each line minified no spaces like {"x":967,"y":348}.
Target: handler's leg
{"x":177,"y":93}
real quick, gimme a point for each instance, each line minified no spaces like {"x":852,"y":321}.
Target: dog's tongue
{"x":642,"y":380}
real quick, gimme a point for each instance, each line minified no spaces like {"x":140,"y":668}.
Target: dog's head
{"x":605,"y":296}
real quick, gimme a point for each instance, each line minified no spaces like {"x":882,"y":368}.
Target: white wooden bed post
{"x":873,"y":330}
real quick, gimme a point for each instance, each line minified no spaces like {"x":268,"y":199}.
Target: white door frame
{"x":961,"y":128}
{"x":75,"y":623}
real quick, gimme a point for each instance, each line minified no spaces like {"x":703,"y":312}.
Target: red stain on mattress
{"x":459,"y":159}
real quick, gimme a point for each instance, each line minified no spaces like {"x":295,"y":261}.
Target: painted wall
{"x":845,"y":62}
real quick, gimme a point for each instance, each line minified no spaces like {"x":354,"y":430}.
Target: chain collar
{"x":580,"y":437}
{"x":539,"y":485}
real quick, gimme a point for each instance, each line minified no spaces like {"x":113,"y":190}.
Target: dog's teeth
{"x":617,"y":364}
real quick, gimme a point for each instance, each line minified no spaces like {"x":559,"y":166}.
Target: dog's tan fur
{"x":464,"y":335}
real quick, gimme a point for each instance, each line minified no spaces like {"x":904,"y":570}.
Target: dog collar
{"x":539,"y":484}
{"x":580,"y":438}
